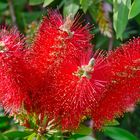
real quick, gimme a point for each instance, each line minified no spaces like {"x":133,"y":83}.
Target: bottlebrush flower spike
{"x":58,"y":39}
{"x":55,"y":41}
{"x":12,"y":92}
{"x":77,"y":87}
{"x":123,"y":90}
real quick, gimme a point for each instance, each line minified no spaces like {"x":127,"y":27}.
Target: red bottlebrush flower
{"x":55,"y":41}
{"x":58,"y":39}
{"x":123,"y":90}
{"x":76,"y":88}
{"x":12,"y":92}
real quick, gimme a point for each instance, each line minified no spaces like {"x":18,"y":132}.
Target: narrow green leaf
{"x":3,"y":6}
{"x":118,"y":134}
{"x":70,"y":7}
{"x":2,"y":137}
{"x":29,"y":17}
{"x":86,"y":138}
{"x":3,"y":125}
{"x":4,"y":122}
{"x":35,"y":2}
{"x":135,"y":9}
{"x":85,"y":4}
{"x":120,"y":16}
{"x":83,"y":130}
{"x":47,"y":2}
{"x":32,"y":136}
{"x":16,"y":134}
{"x":112,"y":123}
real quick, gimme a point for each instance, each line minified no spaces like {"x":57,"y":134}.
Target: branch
{"x":110,"y":46}
{"x":12,"y":12}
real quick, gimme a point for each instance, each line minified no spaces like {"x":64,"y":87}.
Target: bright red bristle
{"x":12,"y":80}
{"x":76,"y":88}
{"x":123,"y":89}
{"x":58,"y":39}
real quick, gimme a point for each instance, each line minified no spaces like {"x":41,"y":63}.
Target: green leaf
{"x":93,"y":11}
{"x":4,"y":122}
{"x":19,"y":6}
{"x":28,"y":17}
{"x":135,"y":9}
{"x":3,"y":6}
{"x":32,"y":136}
{"x":75,"y":136}
{"x":85,"y":4}
{"x":16,"y":134}
{"x":2,"y":137}
{"x":118,"y":134}
{"x":86,"y":138}
{"x":83,"y":130}
{"x":3,"y":125}
{"x":47,"y":2}
{"x":120,"y":16}
{"x":112,"y":123}
{"x":35,"y":2}
{"x":70,"y":7}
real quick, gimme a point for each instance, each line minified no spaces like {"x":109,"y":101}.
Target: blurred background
{"x":115,"y":22}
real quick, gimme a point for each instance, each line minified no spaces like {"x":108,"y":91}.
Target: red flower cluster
{"x":59,"y":76}
{"x":123,"y":90}
{"x":76,"y":88}
{"x":12,"y":81}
